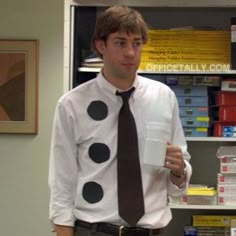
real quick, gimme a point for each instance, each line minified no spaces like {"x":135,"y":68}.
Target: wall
{"x":24,"y":158}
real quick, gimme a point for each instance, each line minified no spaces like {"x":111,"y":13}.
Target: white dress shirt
{"x":83,"y":165}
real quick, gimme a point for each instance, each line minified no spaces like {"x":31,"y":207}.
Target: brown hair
{"x":119,"y":18}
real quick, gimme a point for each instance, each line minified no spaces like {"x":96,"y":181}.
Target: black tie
{"x":130,"y":191}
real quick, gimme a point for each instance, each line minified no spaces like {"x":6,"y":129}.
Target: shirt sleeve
{"x":178,"y":139}
{"x":62,"y":168}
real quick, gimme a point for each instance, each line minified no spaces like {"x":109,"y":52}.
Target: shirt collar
{"x":110,"y":89}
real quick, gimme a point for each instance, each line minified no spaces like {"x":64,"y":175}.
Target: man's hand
{"x":64,"y":230}
{"x":175,"y":162}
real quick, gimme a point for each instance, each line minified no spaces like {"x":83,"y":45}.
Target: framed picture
{"x":18,"y":86}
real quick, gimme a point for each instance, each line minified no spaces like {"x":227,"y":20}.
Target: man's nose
{"x":130,"y":50}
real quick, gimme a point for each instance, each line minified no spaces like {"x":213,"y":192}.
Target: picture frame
{"x":19,"y":86}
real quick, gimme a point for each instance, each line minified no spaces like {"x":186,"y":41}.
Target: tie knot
{"x":125,"y":95}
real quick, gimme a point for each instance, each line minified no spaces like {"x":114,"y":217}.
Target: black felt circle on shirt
{"x":99,"y":152}
{"x":97,"y":110}
{"x":92,"y":192}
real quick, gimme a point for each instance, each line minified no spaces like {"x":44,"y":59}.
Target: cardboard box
{"x":229,"y":134}
{"x":193,"y":111}
{"x":199,"y":121}
{"x":190,"y":90}
{"x":195,"y":132}
{"x":227,"y":114}
{"x":229,"y":128}
{"x":225,"y":98}
{"x":208,"y":80}
{"x":219,"y":127}
{"x":192,"y":101}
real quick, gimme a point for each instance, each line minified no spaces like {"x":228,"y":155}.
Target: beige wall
{"x":24,"y":158}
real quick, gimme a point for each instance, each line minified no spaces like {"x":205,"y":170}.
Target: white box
{"x":228,"y":160}
{"x":199,"y":200}
{"x":226,"y":189}
{"x":228,"y":168}
{"x":226,"y":200}
{"x":228,"y":85}
{"x":226,"y":178}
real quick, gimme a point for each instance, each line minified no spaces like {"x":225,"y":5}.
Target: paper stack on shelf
{"x":200,"y":195}
{"x":92,"y":62}
{"x":196,"y":194}
{"x":226,"y":183}
{"x":91,"y":59}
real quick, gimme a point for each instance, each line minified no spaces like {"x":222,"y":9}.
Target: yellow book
{"x":212,"y":220}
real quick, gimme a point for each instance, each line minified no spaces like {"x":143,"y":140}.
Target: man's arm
{"x":63,"y":169}
{"x":177,"y":156}
{"x":64,"y":230}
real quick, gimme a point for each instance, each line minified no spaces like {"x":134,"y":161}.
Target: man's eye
{"x":121,"y":43}
{"x":137,"y":44}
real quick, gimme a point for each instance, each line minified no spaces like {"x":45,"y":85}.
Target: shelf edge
{"x":228,"y":72}
{"x":204,"y":207}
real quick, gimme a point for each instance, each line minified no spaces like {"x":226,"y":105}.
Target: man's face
{"x":121,"y":54}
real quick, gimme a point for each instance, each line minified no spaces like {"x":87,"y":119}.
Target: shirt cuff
{"x":63,"y":217}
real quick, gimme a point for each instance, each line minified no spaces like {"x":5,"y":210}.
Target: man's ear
{"x":100,"y":46}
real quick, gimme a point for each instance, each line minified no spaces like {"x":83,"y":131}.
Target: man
{"x":83,"y":165}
